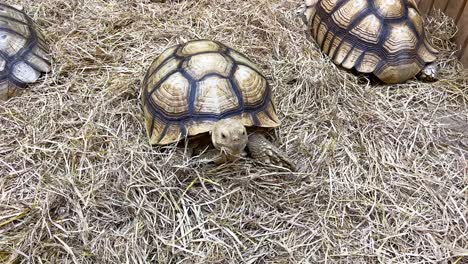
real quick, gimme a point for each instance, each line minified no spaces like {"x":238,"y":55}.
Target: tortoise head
{"x":229,"y":136}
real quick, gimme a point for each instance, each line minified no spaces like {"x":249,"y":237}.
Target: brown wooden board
{"x":462,"y":36}
{"x":440,"y":4}
{"x":455,"y":9}
{"x":458,"y":10}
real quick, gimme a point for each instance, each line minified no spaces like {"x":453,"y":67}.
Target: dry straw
{"x":382,"y":169}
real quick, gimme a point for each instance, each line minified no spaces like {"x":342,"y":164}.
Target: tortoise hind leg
{"x":429,"y":73}
{"x":263,"y":150}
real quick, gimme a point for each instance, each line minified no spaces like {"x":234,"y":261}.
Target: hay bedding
{"x":382,"y":168}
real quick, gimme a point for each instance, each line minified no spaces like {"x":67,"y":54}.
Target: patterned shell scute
{"x":23,"y":51}
{"x":390,"y":8}
{"x":348,"y":13}
{"x":190,"y":86}
{"x":382,"y":37}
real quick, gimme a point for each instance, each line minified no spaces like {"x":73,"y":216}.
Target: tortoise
{"x":23,"y":51}
{"x":384,"y":38}
{"x":211,"y":95}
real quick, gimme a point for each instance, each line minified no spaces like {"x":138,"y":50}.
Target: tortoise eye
{"x":223,"y":135}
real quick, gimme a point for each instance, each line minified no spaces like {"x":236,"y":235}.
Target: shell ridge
{"x":264,"y":104}
{"x":348,"y":54}
{"x":343,"y":40}
{"x":343,"y":33}
{"x":326,"y":17}
{"x":9,"y":30}
{"x":4,"y":56}
{"x":183,"y":129}
{"x":331,"y":44}
{"x":13,"y":19}
{"x":149,"y":75}
{"x":237,"y":63}
{"x":31,"y":65}
{"x":358,"y":62}
{"x":155,"y":109}
{"x":163,"y":133}
{"x":158,"y":84}
{"x":41,"y":58}
{"x":20,"y":55}
{"x":265,"y":99}
{"x":197,"y":117}
{"x":211,"y":74}
{"x":151,"y":128}
{"x":192,"y":93}
{"x":314,"y":34}
{"x":256,"y":122}
{"x":17,"y":82}
{"x":338,"y":5}
{"x":234,"y":86}
{"x":268,"y":115}
{"x":325,"y":38}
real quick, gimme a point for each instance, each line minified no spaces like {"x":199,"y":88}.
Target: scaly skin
{"x":264,"y":151}
{"x":429,"y":73}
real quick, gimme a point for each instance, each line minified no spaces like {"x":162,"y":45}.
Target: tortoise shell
{"x":381,"y":37}
{"x":189,"y":87}
{"x":23,"y":51}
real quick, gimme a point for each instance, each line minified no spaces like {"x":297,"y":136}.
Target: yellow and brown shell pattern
{"x":383,"y":37}
{"x":189,"y":87}
{"x":23,"y":51}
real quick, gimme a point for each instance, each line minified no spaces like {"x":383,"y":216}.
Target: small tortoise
{"x":204,"y":87}
{"x":381,"y":37}
{"x":23,"y":51}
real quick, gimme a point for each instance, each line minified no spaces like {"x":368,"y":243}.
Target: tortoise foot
{"x":429,"y":73}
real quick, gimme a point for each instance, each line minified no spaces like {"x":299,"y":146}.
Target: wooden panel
{"x":462,"y":36}
{"x":455,"y":8}
{"x":440,"y":4}
{"x":425,"y":6}
{"x":458,"y":10}
{"x":464,"y":57}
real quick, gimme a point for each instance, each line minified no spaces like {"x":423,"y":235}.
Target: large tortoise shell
{"x":23,"y":51}
{"x":382,"y":37}
{"x":191,"y":86}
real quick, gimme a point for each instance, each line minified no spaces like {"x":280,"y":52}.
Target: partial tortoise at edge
{"x":24,"y":54}
{"x":385,"y":38}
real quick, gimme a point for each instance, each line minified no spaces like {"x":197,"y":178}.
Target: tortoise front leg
{"x":264,"y":151}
